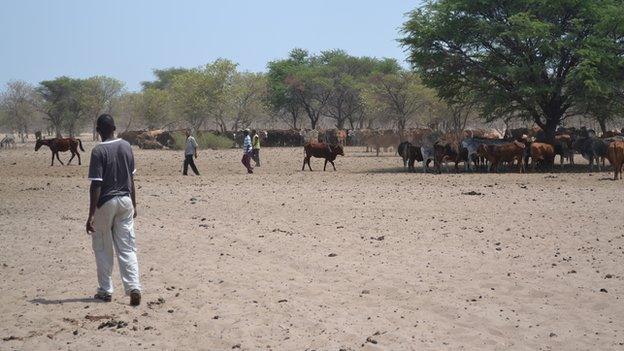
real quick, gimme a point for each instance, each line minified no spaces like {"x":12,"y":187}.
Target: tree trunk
{"x":603,"y":124}
{"x":550,"y":128}
{"x":96,"y":136}
{"x":313,"y":123}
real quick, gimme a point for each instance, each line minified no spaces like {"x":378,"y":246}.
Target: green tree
{"x":164,"y":78}
{"x":537,"y":58}
{"x":62,"y":104}
{"x":18,"y":104}
{"x":280,"y":95}
{"x":98,"y":95}
{"x":247,"y":98}
{"x":153,"y":107}
{"x":200,"y":94}
{"x":401,"y":96}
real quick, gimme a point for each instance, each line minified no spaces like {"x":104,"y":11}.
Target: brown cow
{"x":615,"y":155}
{"x":57,"y":145}
{"x":541,"y":153}
{"x":449,"y":152}
{"x":321,"y":150}
{"x":496,"y":154}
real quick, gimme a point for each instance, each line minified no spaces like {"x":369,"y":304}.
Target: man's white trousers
{"x":114,"y":228}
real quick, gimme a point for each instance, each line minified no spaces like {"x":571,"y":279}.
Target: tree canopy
{"x":541,"y":59}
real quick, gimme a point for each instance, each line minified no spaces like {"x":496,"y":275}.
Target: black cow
{"x":410,"y":154}
{"x":593,"y":148}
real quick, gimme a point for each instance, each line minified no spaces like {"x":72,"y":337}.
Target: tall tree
{"x":18,"y":104}
{"x":152,"y":106}
{"x":280,"y":95}
{"x":61,"y":103}
{"x":402,"y":96}
{"x":536,"y":57}
{"x":247,"y":97}
{"x":98,"y":95}
{"x":201,"y":93}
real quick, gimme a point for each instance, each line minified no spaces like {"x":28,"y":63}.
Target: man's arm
{"x":133,"y":197}
{"x":94,"y":197}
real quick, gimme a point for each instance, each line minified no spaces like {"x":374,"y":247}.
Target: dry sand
{"x":365,"y":258}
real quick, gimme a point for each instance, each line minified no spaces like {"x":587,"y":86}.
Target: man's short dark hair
{"x":105,"y":123}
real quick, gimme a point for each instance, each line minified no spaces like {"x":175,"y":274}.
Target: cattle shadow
{"x":566,"y":169}
{"x":44,"y":301}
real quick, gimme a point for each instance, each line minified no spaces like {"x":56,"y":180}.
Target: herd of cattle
{"x":523,"y":148}
{"x":516,"y":148}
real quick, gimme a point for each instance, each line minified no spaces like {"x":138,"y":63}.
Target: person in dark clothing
{"x":189,"y":152}
{"x":112,"y":209}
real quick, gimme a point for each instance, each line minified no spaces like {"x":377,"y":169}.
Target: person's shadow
{"x":44,"y":301}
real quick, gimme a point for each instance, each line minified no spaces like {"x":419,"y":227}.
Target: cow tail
{"x":80,"y":144}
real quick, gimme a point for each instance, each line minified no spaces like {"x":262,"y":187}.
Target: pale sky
{"x":126,"y":39}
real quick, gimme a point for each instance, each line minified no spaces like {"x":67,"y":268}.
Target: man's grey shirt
{"x":191,"y":146}
{"x":112,"y":163}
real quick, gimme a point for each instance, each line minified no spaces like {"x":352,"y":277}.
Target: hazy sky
{"x":44,"y":39}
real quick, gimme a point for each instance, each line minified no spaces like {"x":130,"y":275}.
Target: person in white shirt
{"x":189,"y":152}
{"x":247,"y":151}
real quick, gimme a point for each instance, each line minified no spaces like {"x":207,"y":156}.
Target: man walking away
{"x":189,"y":152}
{"x":255,"y":145}
{"x":112,"y":209}
{"x":247,"y":151}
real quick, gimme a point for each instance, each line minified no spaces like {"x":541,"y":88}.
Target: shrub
{"x":205,"y":140}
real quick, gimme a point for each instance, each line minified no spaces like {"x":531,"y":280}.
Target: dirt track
{"x":365,"y":258}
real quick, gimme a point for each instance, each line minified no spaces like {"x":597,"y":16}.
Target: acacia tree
{"x":301,"y":83}
{"x":61,"y":103}
{"x":98,"y":96}
{"x":312,"y":91}
{"x":401,"y":96}
{"x":18,"y":104}
{"x":280,"y":95}
{"x":247,"y":96}
{"x":201,"y":93}
{"x":152,"y":106}
{"x":532,"y":57}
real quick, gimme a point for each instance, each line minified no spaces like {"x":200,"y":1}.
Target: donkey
{"x":57,"y":145}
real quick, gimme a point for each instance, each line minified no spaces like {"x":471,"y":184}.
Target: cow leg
{"x":79,"y":160}
{"x":52,"y":164}
{"x":304,"y":163}
{"x":325,"y":165}
{"x":333,"y":165}
{"x":309,"y":166}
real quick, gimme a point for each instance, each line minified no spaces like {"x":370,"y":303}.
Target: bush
{"x":204,"y":140}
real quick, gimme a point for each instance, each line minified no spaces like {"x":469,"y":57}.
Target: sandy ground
{"x":365,"y":258}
